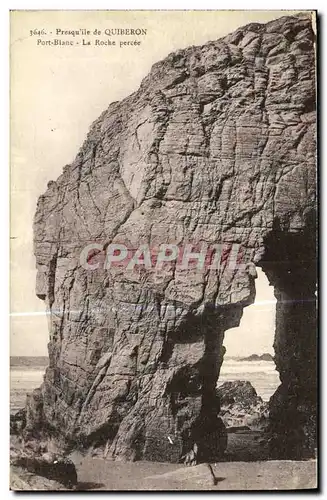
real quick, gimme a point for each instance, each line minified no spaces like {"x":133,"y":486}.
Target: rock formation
{"x":255,"y":357}
{"x":61,"y":470}
{"x":216,"y":147}
{"x":240,"y":406}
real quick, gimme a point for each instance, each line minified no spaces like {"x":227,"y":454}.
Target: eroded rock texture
{"x":240,"y":406}
{"x":217,"y":146}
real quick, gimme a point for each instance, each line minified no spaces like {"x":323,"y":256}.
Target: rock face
{"x":241,"y":406}
{"x":22,"y":480}
{"x":18,"y":421}
{"x":217,"y":147}
{"x":61,"y":470}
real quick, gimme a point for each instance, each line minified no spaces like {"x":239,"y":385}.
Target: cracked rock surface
{"x":217,"y":146}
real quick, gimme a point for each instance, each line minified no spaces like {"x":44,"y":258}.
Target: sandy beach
{"x":245,"y":467}
{"x":99,"y":474}
{"x":272,"y":475}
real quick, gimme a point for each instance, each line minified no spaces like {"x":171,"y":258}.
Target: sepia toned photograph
{"x":163,"y":250}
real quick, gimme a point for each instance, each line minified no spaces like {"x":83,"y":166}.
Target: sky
{"x":56,"y":93}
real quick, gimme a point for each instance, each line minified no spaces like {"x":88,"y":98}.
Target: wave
{"x":248,"y":367}
{"x":261,"y":374}
{"x":24,"y":377}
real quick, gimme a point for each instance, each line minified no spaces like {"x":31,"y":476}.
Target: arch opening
{"x":290,"y":265}
{"x":249,"y":377}
{"x":250,"y":346}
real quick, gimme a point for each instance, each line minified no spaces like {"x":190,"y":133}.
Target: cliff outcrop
{"x":216,"y":150}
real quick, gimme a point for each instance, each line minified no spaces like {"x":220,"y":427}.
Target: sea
{"x":262,"y":374}
{"x":26,"y":374}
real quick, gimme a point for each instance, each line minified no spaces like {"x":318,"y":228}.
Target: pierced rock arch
{"x":217,"y":146}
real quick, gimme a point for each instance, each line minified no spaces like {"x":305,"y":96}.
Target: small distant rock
{"x":256,"y":357}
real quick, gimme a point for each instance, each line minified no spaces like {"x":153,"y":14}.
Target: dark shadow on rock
{"x":85,"y":486}
{"x":61,"y":470}
{"x":219,"y":479}
{"x":214,"y":478}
